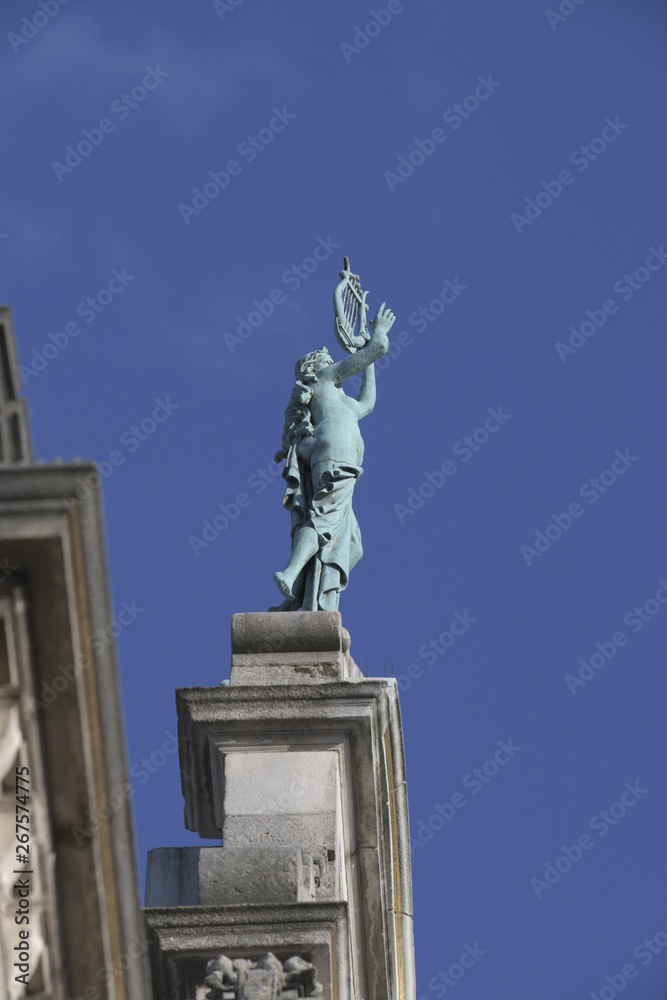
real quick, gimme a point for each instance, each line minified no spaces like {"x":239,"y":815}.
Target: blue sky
{"x":541,"y":202}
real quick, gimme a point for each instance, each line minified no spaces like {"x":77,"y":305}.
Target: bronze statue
{"x":323,"y":451}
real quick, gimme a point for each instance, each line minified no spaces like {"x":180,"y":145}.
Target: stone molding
{"x":184,"y":939}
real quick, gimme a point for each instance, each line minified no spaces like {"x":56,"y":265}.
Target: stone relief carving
{"x":267,"y":978}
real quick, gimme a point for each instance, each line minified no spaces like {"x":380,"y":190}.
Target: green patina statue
{"x":323,"y":451}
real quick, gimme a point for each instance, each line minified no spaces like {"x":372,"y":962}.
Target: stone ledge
{"x":305,"y":647}
{"x":261,"y":669}
{"x":302,"y":713}
{"x":182,"y":940}
{"x":215,"y":876}
{"x":289,"y":632}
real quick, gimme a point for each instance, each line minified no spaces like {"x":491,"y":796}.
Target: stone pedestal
{"x":296,"y":768}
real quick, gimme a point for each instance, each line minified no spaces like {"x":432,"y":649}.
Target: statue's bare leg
{"x":306,"y":545}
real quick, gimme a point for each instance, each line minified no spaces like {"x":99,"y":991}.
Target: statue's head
{"x":297,"y":414}
{"x":311,"y":364}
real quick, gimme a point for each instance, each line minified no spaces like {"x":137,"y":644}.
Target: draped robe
{"x":321,"y":495}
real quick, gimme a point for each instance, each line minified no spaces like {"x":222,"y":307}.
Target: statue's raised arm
{"x":323,"y":452}
{"x":365,"y":356}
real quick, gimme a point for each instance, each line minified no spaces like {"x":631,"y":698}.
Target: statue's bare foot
{"x":283,"y":584}
{"x":289,"y":604}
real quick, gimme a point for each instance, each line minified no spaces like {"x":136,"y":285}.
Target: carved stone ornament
{"x":265,"y":979}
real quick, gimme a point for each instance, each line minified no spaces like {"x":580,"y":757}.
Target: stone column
{"x":296,"y":768}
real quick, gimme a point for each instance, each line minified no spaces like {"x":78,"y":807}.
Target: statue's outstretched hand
{"x":383,"y":321}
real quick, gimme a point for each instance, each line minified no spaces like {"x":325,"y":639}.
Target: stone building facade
{"x":70,"y":922}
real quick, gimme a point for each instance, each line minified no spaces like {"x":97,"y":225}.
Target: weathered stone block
{"x":305,"y":647}
{"x":234,"y":876}
{"x":290,"y":632}
{"x":265,"y":783}
{"x":212,"y":876}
